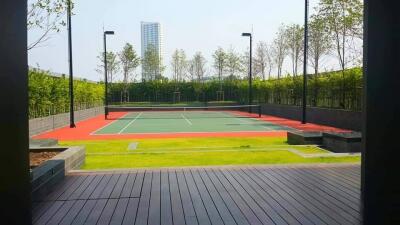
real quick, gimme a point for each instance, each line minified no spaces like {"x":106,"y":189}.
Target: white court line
{"x":109,"y":124}
{"x":188,"y":121}
{"x":130,"y":123}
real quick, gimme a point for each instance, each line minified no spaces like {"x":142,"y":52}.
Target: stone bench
{"x":342,"y":142}
{"x":304,"y":138}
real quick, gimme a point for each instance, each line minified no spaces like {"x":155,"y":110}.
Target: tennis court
{"x":156,"y":122}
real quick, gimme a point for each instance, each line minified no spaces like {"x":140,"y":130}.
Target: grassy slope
{"x":196,"y":152}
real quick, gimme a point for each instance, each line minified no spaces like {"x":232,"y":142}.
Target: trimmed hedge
{"x":328,"y":90}
{"x":49,"y":95}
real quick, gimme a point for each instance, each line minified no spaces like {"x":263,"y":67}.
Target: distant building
{"x":151,"y":38}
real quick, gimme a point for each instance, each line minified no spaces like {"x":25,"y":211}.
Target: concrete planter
{"x":342,"y":142}
{"x":304,"y":138}
{"x":46,"y":176}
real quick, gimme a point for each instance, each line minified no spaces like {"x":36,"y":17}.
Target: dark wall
{"x":15,"y":205}
{"x":380,"y":183}
{"x":330,"y":117}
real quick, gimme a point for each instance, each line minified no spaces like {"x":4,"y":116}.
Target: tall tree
{"x":220,"y":61}
{"x":179,"y":65}
{"x":129,"y":62}
{"x":294,"y":41}
{"x":113,"y":65}
{"x":344,"y":19}
{"x":279,"y":50}
{"x":320,"y":42}
{"x":263,"y":60}
{"x":45,"y":18}
{"x":152,"y":64}
{"x":234,"y":64}
{"x":199,"y":65}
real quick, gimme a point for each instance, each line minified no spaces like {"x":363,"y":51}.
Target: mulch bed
{"x":38,"y":158}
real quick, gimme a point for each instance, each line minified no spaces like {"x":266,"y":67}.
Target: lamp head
{"x":246,"y":34}
{"x":109,"y":32}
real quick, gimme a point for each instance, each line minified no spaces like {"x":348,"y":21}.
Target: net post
{"x":259,"y":111}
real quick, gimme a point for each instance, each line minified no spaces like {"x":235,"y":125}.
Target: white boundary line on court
{"x":198,"y":132}
{"x":130,"y":123}
{"x":187,"y":120}
{"x":101,"y":128}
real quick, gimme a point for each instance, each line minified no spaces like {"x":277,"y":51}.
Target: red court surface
{"x":85,"y":128}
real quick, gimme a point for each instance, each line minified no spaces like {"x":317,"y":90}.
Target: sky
{"x":189,"y":25}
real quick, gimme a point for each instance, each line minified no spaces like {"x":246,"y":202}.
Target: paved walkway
{"x":306,"y":194}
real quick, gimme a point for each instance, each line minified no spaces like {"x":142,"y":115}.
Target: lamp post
{"x":250,"y":70}
{"x":105,"y":73}
{"x":71,"y":71}
{"x":304,"y":117}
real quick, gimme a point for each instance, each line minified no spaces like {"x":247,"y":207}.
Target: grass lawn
{"x":181,"y":152}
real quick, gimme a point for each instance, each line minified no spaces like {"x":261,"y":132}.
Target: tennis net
{"x":175,"y":112}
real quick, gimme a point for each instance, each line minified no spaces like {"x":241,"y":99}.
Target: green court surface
{"x":186,"y":122}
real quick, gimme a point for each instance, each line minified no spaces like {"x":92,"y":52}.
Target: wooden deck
{"x":223,"y":196}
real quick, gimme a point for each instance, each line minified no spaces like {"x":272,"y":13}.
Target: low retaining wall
{"x":46,"y":176}
{"x":330,"y":117}
{"x":41,"y":125}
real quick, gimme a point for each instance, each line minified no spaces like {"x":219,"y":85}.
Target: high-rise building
{"x":151,"y":39}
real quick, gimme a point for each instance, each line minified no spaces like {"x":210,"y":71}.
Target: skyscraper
{"x":151,"y":41}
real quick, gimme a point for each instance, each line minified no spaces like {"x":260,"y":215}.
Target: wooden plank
{"x":73,"y":212}
{"x":131,"y":211}
{"x":108,"y":212}
{"x":284,"y":200}
{"x":67,"y":193}
{"x":84,"y":212}
{"x":40,"y":209}
{"x":329,"y":184}
{"x":216,"y":209}
{"x":119,"y":213}
{"x":138,"y":185}
{"x":116,"y":193}
{"x":93,"y":185}
{"x":207,"y":201}
{"x":268,"y":198}
{"x":303,"y":204}
{"x":96,"y":212}
{"x":220,"y":194}
{"x":319,"y":186}
{"x":336,"y":177}
{"x":255,"y":206}
{"x":188,"y":208}
{"x":100,"y":187}
{"x":61,"y":212}
{"x":155,"y":200}
{"x":79,"y":191}
{"x":246,"y":210}
{"x":61,"y":188}
{"x":176,"y":202}
{"x":201,"y":213}
{"x":236,"y":180}
{"x":166,"y":211}
{"x":110,"y":186}
{"x":144,"y":202}
{"x":127,"y":189}
{"x":50,"y":212}
{"x":320,"y":201}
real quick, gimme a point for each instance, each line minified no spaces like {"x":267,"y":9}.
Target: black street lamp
{"x":250,"y":70}
{"x":71,"y":72}
{"x":304,"y":117}
{"x":105,"y":73}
